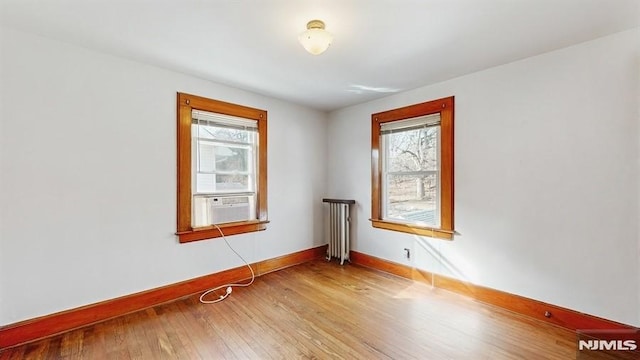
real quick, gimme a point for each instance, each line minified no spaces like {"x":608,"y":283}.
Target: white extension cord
{"x":228,"y":286}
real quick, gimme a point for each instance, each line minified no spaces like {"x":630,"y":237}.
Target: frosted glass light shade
{"x":315,"y":39}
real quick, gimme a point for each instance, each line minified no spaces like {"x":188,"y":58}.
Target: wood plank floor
{"x":316,"y":310}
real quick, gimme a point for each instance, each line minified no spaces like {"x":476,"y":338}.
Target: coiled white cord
{"x":228,"y":286}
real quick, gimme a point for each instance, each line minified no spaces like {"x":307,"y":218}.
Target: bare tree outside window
{"x":412,"y":174}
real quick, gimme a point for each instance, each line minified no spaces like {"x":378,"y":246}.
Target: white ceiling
{"x":380,"y":46}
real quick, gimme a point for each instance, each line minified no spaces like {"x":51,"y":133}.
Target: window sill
{"x":211,"y":232}
{"x":413,"y":229}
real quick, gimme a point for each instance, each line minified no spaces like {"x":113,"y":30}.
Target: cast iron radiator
{"x":339,"y":220}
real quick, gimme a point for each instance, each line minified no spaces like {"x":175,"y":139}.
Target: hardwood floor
{"x":316,"y":310}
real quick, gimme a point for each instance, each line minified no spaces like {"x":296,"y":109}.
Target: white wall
{"x":546,"y":178}
{"x":88,"y":178}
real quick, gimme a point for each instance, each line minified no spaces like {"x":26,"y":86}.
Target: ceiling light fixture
{"x":315,"y":39}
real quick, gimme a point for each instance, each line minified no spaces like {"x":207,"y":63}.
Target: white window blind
{"x":410,"y":124}
{"x":213,"y":119}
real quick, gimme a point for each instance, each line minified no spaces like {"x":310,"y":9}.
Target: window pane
{"x":212,"y":183}
{"x":231,"y":159}
{"x":222,"y":167}
{"x":413,"y":198}
{"x":205,"y":183}
{"x":238,"y":183}
{"x":221,"y":133}
{"x":413,"y":150}
{"x":217,"y":157}
{"x":206,"y":157}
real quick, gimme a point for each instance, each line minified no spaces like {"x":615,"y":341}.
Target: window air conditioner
{"x":225,"y":209}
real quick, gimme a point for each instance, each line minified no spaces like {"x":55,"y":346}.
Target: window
{"x":222,"y":168}
{"x":412,"y":169}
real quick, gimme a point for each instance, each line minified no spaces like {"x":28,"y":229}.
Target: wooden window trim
{"x":186,"y":232}
{"x":445,"y":107}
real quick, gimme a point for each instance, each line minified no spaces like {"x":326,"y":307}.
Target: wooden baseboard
{"x":49,"y":325}
{"x":563,"y":317}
